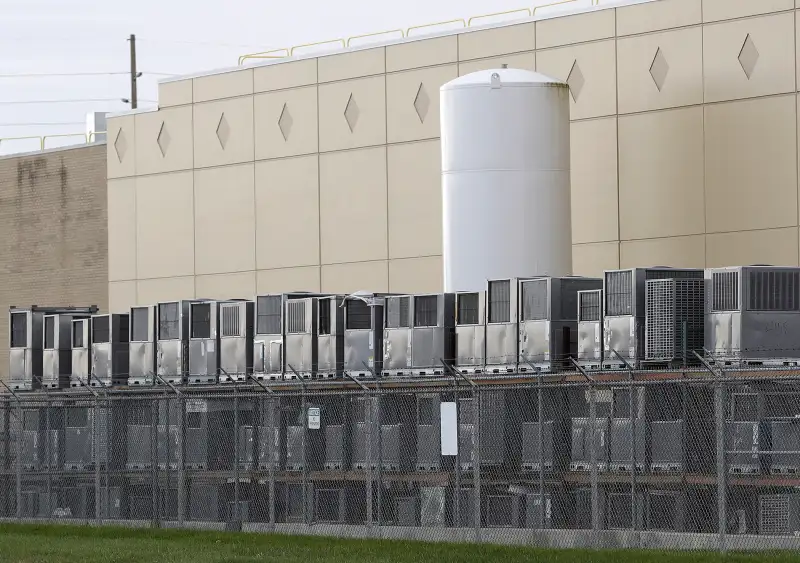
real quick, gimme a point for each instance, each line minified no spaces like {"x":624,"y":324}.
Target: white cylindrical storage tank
{"x":505,"y":178}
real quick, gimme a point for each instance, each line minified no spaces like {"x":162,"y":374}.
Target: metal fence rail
{"x":703,"y":459}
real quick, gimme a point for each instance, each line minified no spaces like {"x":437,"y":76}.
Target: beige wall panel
{"x":565,"y":30}
{"x":353,"y":222}
{"x":596,"y":94}
{"x":767,"y":50}
{"x":150,"y":292}
{"x":595,"y":201}
{"x":678,"y":252}
{"x":281,"y":75}
{"x":367,"y":125}
{"x":497,"y":41}
{"x":412,"y":102}
{"x":225,"y":223}
{"x":715,"y":10}
{"x":655,"y":16}
{"x":287,"y":213}
{"x":223,"y":132}
{"x":751,"y":164}
{"x":425,"y":52}
{"x":287,"y":279}
{"x":592,"y":259}
{"x":122,"y":229}
{"x":279,"y":134}
{"x":354,"y":64}
{"x":660,"y":70}
{"x":121,"y":296}
{"x":241,"y":285}
{"x":661,"y":174}
{"x":223,"y":85}
{"x":526,"y":61}
{"x":357,"y":276}
{"x":415,"y":199}
{"x":165,"y":225}
{"x":175,"y":93}
{"x":775,"y":246}
{"x":416,"y":275}
{"x":164,"y":141}
{"x":121,"y":156}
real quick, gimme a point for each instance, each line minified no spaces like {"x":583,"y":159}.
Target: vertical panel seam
{"x":616,"y":125}
{"x":319,"y":185}
{"x":386,"y":159}
{"x":703,"y":131}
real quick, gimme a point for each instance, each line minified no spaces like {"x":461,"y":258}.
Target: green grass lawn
{"x":73,"y":544}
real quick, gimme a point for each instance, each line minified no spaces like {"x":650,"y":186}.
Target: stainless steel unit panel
{"x":57,"y":350}
{"x":582,"y":443}
{"x":81,"y":358}
{"x":139,"y":447}
{"x":397,"y":335}
{"x":271,"y":436}
{"x":363,"y":334}
{"x":172,"y":341}
{"x":779,"y":515}
{"x":432,"y":333}
{"x":470,"y":345}
{"x":337,"y":447}
{"x":236,"y":329}
{"x":531,"y":459}
{"x":624,"y":335}
{"x":246,"y":437}
{"x":534,"y":507}
{"x":330,"y":336}
{"x":785,"y":437}
{"x":203,"y":340}
{"x":142,"y":348}
{"x":620,"y":439}
{"x":295,"y":456}
{"x":301,"y":341}
{"x":79,"y":440}
{"x":110,"y":349}
{"x":502,"y":325}
{"x":667,"y":446}
{"x":429,"y":429}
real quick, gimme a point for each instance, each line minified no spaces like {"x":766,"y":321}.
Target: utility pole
{"x":134,"y":74}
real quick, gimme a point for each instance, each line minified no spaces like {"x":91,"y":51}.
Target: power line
{"x":75,"y":101}
{"x":204,"y":43}
{"x":43,"y":124}
{"x":78,"y":74}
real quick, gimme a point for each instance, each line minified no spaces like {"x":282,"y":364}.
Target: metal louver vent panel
{"x":101,"y":327}
{"x":19,"y":330}
{"x":397,"y":312}
{"x":139,"y":319}
{"x":534,"y":300}
{"x":725,"y":291}
{"x":589,"y":305}
{"x":619,"y":293}
{"x":296,"y":317}
{"x":269,"y":314}
{"x":774,"y":515}
{"x":230,"y":320}
{"x":426,"y":310}
{"x":773,"y":290}
{"x":467,"y":309}
{"x":359,"y":315}
{"x":674,"y":318}
{"x":500,"y":301}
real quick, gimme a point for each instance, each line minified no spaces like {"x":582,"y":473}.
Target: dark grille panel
{"x":500,"y":301}
{"x":19,"y":330}
{"x":49,"y":333}
{"x":467,"y":309}
{"x":725,"y":291}
{"x":201,"y":320}
{"x":589,"y":305}
{"x":534,"y":300}
{"x":674,"y":318}
{"x":168,"y":321}
{"x":359,"y":315}
{"x":101,"y":330}
{"x":425,"y":310}
{"x":397,"y":312}
{"x":619,"y":293}
{"x":269,"y":314}
{"x":773,"y":290}
{"x":139,"y":317}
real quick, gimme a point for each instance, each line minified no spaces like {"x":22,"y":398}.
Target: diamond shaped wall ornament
{"x":422,"y":103}
{"x":748,"y":56}
{"x":120,"y":145}
{"x":163,"y":139}
{"x":223,"y":131}
{"x":351,"y":113}
{"x":659,"y":69}
{"x":575,"y":81}
{"x":285,"y":122}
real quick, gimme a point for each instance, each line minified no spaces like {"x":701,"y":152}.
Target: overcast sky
{"x":174,"y":37}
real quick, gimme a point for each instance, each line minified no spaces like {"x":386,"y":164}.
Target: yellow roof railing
{"x":273,"y":54}
{"x":526,"y":11}
{"x":41,"y":140}
{"x":402,"y":33}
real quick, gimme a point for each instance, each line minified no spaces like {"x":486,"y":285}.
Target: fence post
{"x":540,"y":409}
{"x":154,"y":412}
{"x":457,"y":478}
{"x":182,"y":489}
{"x":722,"y":485}
{"x":368,"y":421}
{"x":48,"y":449}
{"x":593,"y":469}
{"x":273,"y":436}
{"x":236,"y":512}
{"x":97,"y":459}
{"x":476,"y":473}
{"x":20,"y":435}
{"x":379,"y":428}
{"x":304,"y":409}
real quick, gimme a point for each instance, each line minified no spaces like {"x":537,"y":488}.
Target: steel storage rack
{"x":236,"y":329}
{"x":330,"y":336}
{"x":172,"y":341}
{"x":470,"y":345}
{"x":301,"y":338}
{"x":753,"y":315}
{"x":203,"y":346}
{"x":57,"y":349}
{"x":548,"y":328}
{"x":590,"y":329}
{"x":624,"y":311}
{"x":363,"y":334}
{"x":502,"y":325}
{"x":674,"y":321}
{"x":110,"y":349}
{"x":81,"y":374}
{"x":142,"y":349}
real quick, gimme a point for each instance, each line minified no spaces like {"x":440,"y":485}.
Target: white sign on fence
{"x":313,"y":418}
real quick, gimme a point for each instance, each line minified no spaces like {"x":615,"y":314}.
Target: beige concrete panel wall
{"x":775,"y":246}
{"x":526,"y":61}
{"x":412,"y":102}
{"x":416,"y":275}
{"x":355,"y":64}
{"x":165,"y":226}
{"x":287,"y":213}
{"x":595,"y":200}
{"x":763,"y":46}
{"x":285,"y":75}
{"x":426,"y":52}
{"x":366,"y":98}
{"x":591,"y":72}
{"x":241,"y":285}
{"x":164,"y":141}
{"x":224,"y":219}
{"x":288,"y":279}
{"x":122,"y":229}
{"x":715,"y":10}
{"x":175,"y":93}
{"x":497,"y":41}
{"x":678,"y":252}
{"x":415,"y":199}
{"x":286,"y":123}
{"x":357,"y":276}
{"x":223,"y":132}
{"x":579,"y":28}
{"x":121,"y":155}
{"x":121,"y":296}
{"x":660,"y":70}
{"x":592,"y":259}
{"x":656,"y":16}
{"x":223,"y":85}
{"x":751,"y":164}
{"x":353,"y":221}
{"x":661,"y":174}
{"x":150,"y":292}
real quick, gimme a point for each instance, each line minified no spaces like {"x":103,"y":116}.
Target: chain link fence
{"x":703,"y":459}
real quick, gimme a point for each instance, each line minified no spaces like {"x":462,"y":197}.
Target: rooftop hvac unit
{"x":470,"y":345}
{"x":172,"y":340}
{"x":536,"y":451}
{"x":621,"y":456}
{"x":110,"y":349}
{"x":142,"y":349}
{"x":203,"y":346}
{"x":624,"y":311}
{"x":785,"y":436}
{"x":753,"y":315}
{"x":301,"y":338}
{"x":548,"y":332}
{"x":779,"y":515}
{"x":674,"y":320}
{"x":590,"y":329}
{"x":667,"y":442}
{"x":745,"y":437}
{"x":429,"y":432}
{"x":666,"y":510}
{"x":81,"y":374}
{"x":383,"y":432}
{"x":495,"y":430}
{"x":502,"y":325}
{"x":305,"y":446}
{"x":57,"y":349}
{"x":582,"y":444}
{"x":270,"y":334}
{"x":140,"y":435}
{"x":363,"y":334}
{"x":330,"y":336}
{"x":397,"y":335}
{"x":236,"y":326}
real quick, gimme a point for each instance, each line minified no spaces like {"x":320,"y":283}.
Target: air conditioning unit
{"x":532,"y":451}
{"x":433,"y":506}
{"x":406,"y":511}
{"x":667,"y":454}
{"x":172,"y":340}
{"x":330,"y":336}
{"x":494,"y":430}
{"x":429,"y":432}
{"x":110,"y":348}
{"x":271,"y":435}
{"x":142,"y":353}
{"x":502,"y":325}
{"x":785,"y":436}
{"x":57,"y":350}
{"x":666,"y":510}
{"x":236,"y":329}
{"x":330,"y":505}
{"x":81,"y":354}
{"x":582,"y":444}
{"x":674,"y":320}
{"x":590,"y":329}
{"x":301,"y":338}
{"x":203,"y":342}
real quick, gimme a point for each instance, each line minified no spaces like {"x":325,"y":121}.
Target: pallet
{"x":625,"y":468}
{"x":548,"y":467}
{"x":784,"y":470}
{"x":268,"y":377}
{"x":334,"y":466}
{"x":426,"y":467}
{"x":666,"y":467}
{"x":744,"y":470}
{"x":585,"y":467}
{"x":138,"y":466}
